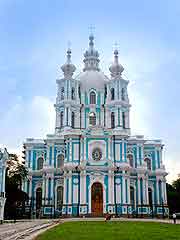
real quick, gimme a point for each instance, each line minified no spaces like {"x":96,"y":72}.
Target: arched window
{"x":62,"y":93}
{"x":72,"y":119}
{"x":148,"y":162}
{"x":130,"y":157}
{"x":61,"y":119}
{"x":40,"y":163}
{"x":132,"y":198}
{"x":123,"y":120}
{"x":112,"y":93}
{"x":112,"y":120}
{"x":38,"y":198}
{"x":79,"y":92}
{"x":59,"y":197}
{"x":73,"y":93}
{"x":150,"y":196}
{"x":60,"y":160}
{"x":92,"y":97}
{"x":92,"y":119}
{"x":123,"y":94}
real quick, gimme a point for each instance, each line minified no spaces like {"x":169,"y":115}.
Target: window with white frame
{"x":112,"y":120}
{"x":62,"y":93}
{"x":73,"y":93}
{"x":123,"y":120}
{"x":72,"y":119}
{"x":40,"y":161}
{"x":112,"y":93}
{"x":61,"y":119}
{"x":60,"y":160}
{"x":92,"y":97}
{"x":148,"y":162}
{"x":92,"y":119}
{"x":130,"y":158}
{"x":122,"y":94}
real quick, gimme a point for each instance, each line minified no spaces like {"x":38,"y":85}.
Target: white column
{"x":139,"y":148}
{"x":144,"y":191}
{"x":124,"y":190}
{"x":120,"y":116}
{"x":65,"y":189}
{"x":47,"y":184}
{"x":165,"y":192}
{"x":70,"y":188}
{"x":110,"y":187}
{"x":109,"y":148}
{"x":31,"y":162}
{"x":65,"y":115}
{"x":52,"y":188}
{"x":157,"y":191}
{"x":70,"y":149}
{"x":30,"y":187}
{"x":122,"y":150}
{"x":118,"y":193}
{"x":69,"y":117}
{"x":156,"y":159}
{"x":83,"y":188}
{"x":147,"y":195}
{"x":116,"y":117}
{"x":139,"y":192}
{"x":52,"y":160}
{"x":47,"y":156}
{"x":101,"y":116}
{"x":128,"y":189}
{"x":85,"y":148}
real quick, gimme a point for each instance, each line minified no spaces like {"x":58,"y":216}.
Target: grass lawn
{"x":112,"y":231}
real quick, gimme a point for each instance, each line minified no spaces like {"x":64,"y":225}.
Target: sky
{"x":34,"y":36}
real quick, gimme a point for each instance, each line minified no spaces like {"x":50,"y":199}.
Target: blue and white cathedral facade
{"x":91,"y":164}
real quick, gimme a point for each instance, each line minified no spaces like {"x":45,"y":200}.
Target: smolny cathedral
{"x":91,"y":164}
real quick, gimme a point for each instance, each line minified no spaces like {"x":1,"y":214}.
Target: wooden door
{"x":97,"y":199}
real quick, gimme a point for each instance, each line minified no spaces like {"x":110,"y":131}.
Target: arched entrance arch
{"x":97,"y":199}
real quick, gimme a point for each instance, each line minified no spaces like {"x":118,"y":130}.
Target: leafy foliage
{"x":173,"y":196}
{"x":16,"y":173}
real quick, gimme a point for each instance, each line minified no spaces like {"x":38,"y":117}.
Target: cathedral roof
{"x":92,"y":79}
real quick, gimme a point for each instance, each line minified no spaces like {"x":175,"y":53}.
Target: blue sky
{"x":33,"y":41}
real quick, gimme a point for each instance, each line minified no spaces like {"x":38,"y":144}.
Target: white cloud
{"x":25,"y":119}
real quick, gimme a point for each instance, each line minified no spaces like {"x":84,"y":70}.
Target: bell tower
{"x":117,"y":97}
{"x":67,"y":100}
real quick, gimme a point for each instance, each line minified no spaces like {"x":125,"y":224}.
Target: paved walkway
{"x":24,"y":229}
{"x":28,"y":230}
{"x":123,"y":219}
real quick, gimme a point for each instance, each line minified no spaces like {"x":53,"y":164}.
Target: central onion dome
{"x":92,"y":77}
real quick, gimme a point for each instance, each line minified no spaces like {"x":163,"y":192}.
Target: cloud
{"x":25,"y":119}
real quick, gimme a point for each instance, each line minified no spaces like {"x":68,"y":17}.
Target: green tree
{"x":173,"y":196}
{"x":16,"y":173}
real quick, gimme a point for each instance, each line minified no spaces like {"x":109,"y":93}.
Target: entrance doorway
{"x":97,"y":199}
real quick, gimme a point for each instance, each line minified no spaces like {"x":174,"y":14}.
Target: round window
{"x":96,"y":154}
